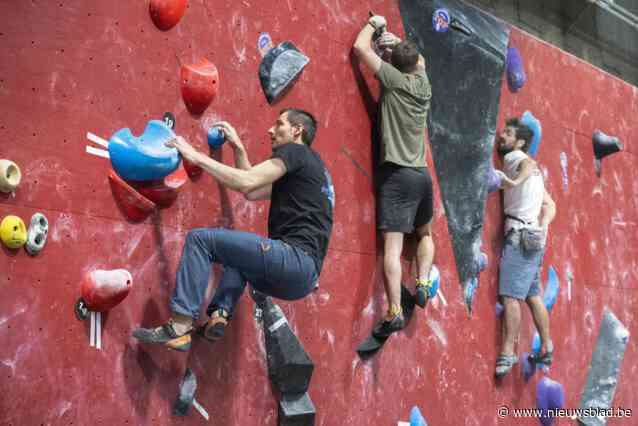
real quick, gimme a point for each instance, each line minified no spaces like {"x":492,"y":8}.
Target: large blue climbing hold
{"x":515,"y":72}
{"x":550,"y":395}
{"x":416,"y":418}
{"x":552,"y":288}
{"x":532,"y":122}
{"x":144,"y":157}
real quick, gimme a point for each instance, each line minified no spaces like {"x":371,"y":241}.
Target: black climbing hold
{"x":372,"y":344}
{"x":169,"y":120}
{"x":281,"y":66}
{"x":187,"y":389}
{"x":296,"y":410}
{"x":605,"y":145}
{"x":461,"y":66}
{"x":81,"y":310}
{"x":289,"y":365}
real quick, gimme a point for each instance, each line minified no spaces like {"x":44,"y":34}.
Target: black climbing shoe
{"x":386,"y":327}
{"x":166,"y":335}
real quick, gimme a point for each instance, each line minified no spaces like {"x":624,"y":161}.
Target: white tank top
{"x":525,"y":200}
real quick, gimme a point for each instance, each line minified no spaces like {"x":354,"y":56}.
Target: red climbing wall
{"x":68,"y":67}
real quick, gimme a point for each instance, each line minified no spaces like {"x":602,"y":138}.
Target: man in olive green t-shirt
{"x":405,"y":191}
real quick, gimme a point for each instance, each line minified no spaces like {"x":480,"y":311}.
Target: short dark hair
{"x":522,"y":132}
{"x":299,"y":117}
{"x":405,"y":56}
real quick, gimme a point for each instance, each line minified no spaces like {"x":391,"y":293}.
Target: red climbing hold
{"x":167,"y":13}
{"x":200,"y":83}
{"x":193,"y":171}
{"x":102,"y":290}
{"x":164,"y":193}
{"x":134,"y":205}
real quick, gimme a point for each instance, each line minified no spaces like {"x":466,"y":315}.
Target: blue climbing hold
{"x":416,"y":418}
{"x":216,"y":137}
{"x":435,"y":277}
{"x":532,"y":122}
{"x":498,"y":309}
{"x":552,"y":288}
{"x":468,"y":292}
{"x":144,"y":157}
{"x":515,"y":72}
{"x":536,"y":344}
{"x":550,"y":395}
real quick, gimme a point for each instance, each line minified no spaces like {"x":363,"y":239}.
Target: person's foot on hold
{"x":504,"y":364}
{"x":545,"y":357}
{"x":392,"y":322}
{"x":423,"y":292}
{"x":174,"y":335}
{"x":214,"y":329}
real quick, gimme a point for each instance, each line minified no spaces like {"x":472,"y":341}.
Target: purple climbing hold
{"x":493,"y":181}
{"x":550,"y":395}
{"x":498,"y":308}
{"x":515,"y":72}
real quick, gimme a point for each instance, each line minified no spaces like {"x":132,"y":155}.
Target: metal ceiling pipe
{"x":618,"y":11}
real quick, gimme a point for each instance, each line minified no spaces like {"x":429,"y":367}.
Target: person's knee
{"x":424,"y":231}
{"x":194,"y":236}
{"x":509,"y":302}
{"x":534,"y":301}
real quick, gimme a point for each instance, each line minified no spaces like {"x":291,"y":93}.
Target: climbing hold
{"x":604,"y":370}
{"x":469,"y":288}
{"x":186,"y":396}
{"x":192,"y":170}
{"x":481,"y":262}
{"x":498,"y":309}
{"x":145,"y":157}
{"x":441,"y":20}
{"x":280,"y":68}
{"x":264,"y":44}
{"x":550,"y":395}
{"x":102,"y":290}
{"x":134,"y":205}
{"x":163,"y":193}
{"x":216,"y":137}
{"x":493,"y":181}
{"x":200,"y":83}
{"x":604,"y":145}
{"x":534,"y":124}
{"x":416,"y":418}
{"x":536,"y":344}
{"x":435,"y":277}
{"x":10,"y":176}
{"x":515,"y":72}
{"x":296,"y":410}
{"x":166,"y":13}
{"x":528,"y":369}
{"x":13,"y":232}
{"x":289,"y":365}
{"x":37,"y":234}
{"x":552,"y":288}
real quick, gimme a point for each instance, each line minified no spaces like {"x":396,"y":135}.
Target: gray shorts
{"x":520,"y":269}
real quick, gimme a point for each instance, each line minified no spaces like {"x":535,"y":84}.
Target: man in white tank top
{"x":529,"y":209}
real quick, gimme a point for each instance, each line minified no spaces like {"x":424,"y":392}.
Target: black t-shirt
{"x":302,"y":201}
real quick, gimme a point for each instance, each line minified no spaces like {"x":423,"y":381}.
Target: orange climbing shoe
{"x":166,"y":335}
{"x":214,"y":329}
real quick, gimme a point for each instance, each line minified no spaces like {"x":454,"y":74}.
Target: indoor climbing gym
{"x":320,"y":213}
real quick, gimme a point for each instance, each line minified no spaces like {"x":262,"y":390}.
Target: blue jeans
{"x":270,"y":266}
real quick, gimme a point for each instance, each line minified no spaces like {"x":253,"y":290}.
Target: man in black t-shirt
{"x":285,"y":265}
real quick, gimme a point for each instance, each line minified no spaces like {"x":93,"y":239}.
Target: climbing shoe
{"x":166,"y":335}
{"x":392,"y":322}
{"x":423,"y":289}
{"x":214,"y":329}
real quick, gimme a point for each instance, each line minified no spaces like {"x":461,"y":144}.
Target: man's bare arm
{"x":363,"y":48}
{"x":548,"y":210}
{"x":526,"y":169}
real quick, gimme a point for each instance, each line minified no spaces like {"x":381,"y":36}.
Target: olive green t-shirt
{"x":405,"y":101}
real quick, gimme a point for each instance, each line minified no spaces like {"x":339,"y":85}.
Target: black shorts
{"x":404,"y":199}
